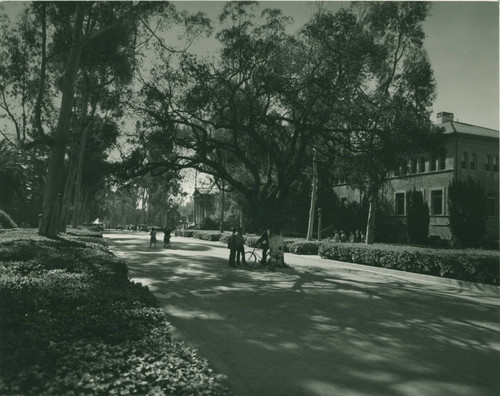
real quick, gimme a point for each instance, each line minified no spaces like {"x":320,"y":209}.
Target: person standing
{"x":264,"y":243}
{"x":152,"y":241}
{"x":240,"y":249}
{"x":166,"y":237}
{"x":232,"y":248}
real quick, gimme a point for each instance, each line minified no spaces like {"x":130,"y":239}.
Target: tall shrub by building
{"x":417,"y":217}
{"x":467,"y":211}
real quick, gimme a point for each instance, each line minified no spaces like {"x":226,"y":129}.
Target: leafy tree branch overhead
{"x":355,"y":83}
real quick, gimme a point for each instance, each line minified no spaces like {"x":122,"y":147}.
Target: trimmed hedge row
{"x":72,"y":323}
{"x":468,"y":265}
{"x":290,"y":245}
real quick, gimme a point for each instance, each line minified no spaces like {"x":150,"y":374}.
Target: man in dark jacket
{"x":232,"y":248}
{"x":240,"y":249}
{"x":264,"y":243}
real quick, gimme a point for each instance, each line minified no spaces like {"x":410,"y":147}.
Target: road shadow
{"x":321,"y":332}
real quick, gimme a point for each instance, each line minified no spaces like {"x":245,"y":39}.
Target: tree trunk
{"x":50,"y":209}
{"x":78,"y":182}
{"x":370,"y":224}
{"x":68,"y":189}
{"x":276,"y":248}
{"x":222,"y":208}
{"x":312,"y":208}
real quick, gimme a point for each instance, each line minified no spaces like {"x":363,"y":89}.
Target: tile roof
{"x":460,"y":127}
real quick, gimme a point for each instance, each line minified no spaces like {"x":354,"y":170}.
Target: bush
{"x":209,"y":224}
{"x":417,"y":217}
{"x":467,"y":212}
{"x":469,"y":265}
{"x":84,"y":328}
{"x":305,"y":247}
{"x":207,"y":235}
{"x":184,"y":233}
{"x":6,"y":221}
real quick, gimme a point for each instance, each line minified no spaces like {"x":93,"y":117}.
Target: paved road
{"x":323,"y":328}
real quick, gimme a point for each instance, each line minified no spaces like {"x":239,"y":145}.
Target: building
{"x":470,"y":150}
{"x":204,"y":205}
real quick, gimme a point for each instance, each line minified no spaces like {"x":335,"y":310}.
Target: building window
{"x":433,"y":163}
{"x":495,"y":163}
{"x":414,"y":165}
{"x":491,"y":206}
{"x":399,"y":201}
{"x":465,"y":160}
{"x":343,"y":201}
{"x":487,"y":165}
{"x":442,"y":162}
{"x":421,"y":165}
{"x":473,"y":162}
{"x":437,"y":202}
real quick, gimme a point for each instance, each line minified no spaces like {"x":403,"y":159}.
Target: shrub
{"x":84,"y":328}
{"x":207,"y":235}
{"x":184,"y":233}
{"x":467,"y":212}
{"x":417,"y":217}
{"x":209,"y":224}
{"x":469,"y":265}
{"x":305,"y":247}
{"x":6,"y":221}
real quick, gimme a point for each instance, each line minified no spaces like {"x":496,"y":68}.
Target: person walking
{"x":152,"y":241}
{"x":240,"y":249}
{"x":232,"y":248}
{"x":166,"y":237}
{"x":264,"y":243}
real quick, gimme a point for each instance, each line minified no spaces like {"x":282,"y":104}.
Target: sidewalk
{"x":322,"y":328}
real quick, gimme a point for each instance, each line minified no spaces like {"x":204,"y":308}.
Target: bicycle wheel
{"x":250,"y":258}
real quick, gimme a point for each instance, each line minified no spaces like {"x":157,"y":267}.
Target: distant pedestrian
{"x":352,"y":237}
{"x":343,"y":236}
{"x":166,"y":237}
{"x":264,"y":243}
{"x":240,"y":249}
{"x":232,"y":247}
{"x":336,"y":236}
{"x":152,"y":241}
{"x":357,"y":237}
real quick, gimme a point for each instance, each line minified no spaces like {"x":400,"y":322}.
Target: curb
{"x":462,"y":285}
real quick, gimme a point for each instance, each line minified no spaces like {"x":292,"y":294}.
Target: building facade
{"x":470,"y":151}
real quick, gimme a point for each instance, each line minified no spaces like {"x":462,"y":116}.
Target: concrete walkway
{"x":325,"y":327}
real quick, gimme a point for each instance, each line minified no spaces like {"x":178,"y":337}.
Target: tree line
{"x":353,"y":85}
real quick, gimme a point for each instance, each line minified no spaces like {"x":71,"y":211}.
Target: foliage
{"x":350,"y":216}
{"x":6,"y":221}
{"x":208,"y":224}
{"x":469,"y":265}
{"x":467,"y":211}
{"x":71,"y":330}
{"x":417,"y":217}
{"x":305,"y":247}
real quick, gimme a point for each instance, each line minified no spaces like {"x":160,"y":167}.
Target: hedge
{"x":72,"y":323}
{"x":293,"y":245}
{"x":468,"y":265}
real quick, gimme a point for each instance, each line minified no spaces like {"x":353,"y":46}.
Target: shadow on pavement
{"x":323,"y":332}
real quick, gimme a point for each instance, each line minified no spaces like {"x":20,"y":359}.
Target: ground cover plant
{"x":72,"y":323}
{"x":463,"y":264}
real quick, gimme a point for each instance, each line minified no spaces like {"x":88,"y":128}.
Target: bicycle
{"x":252,"y":258}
